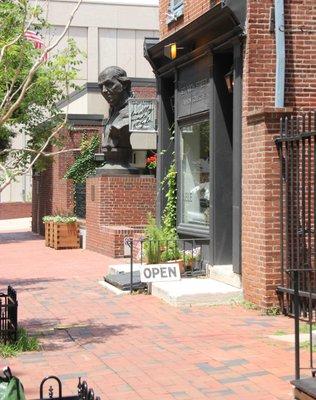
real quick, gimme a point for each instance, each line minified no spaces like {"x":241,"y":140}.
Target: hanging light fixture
{"x":171,"y":50}
{"x":229,"y":79}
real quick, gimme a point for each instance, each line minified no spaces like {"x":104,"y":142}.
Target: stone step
{"x":196,"y":291}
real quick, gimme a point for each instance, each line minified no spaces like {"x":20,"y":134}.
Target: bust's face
{"x":111,"y":90}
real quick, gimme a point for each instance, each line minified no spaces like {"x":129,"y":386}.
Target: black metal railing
{"x":80,"y":200}
{"x":83,"y":391}
{"x":190,"y":254}
{"x":8,"y":316}
{"x":296,"y":146}
{"x":301,"y":303}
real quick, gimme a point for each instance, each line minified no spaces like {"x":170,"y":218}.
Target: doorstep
{"x":183,"y":293}
{"x":196,"y":291}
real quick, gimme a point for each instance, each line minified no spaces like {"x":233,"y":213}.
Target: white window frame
{"x":175,"y":11}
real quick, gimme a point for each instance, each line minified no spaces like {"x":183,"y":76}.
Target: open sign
{"x":160,"y":273}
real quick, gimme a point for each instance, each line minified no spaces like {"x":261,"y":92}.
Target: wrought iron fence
{"x":190,"y":254}
{"x":8,"y":316}
{"x":296,"y":146}
{"x":80,"y":200}
{"x":83,"y":391}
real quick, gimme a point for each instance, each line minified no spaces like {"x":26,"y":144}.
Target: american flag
{"x":35,"y":39}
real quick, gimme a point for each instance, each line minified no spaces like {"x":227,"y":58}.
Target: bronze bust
{"x":116,"y":89}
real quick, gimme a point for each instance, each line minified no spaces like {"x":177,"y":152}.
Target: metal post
{"x":297,"y":325}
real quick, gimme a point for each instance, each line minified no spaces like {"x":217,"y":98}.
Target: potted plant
{"x":190,"y":256}
{"x":151,"y":164}
{"x":49,"y":230}
{"x":66,"y":232}
{"x":153,"y":242}
{"x":172,"y":255}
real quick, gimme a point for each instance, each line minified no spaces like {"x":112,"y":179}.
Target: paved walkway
{"x":136,"y":347}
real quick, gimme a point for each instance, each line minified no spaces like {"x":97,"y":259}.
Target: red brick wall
{"x":114,"y":201}
{"x":145,"y":92}
{"x":15,"y":210}
{"x":52,"y":194}
{"x":192,"y":10}
{"x":260,"y":181}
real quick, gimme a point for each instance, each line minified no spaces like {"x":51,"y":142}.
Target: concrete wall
{"x":20,"y":190}
{"x":109,"y":34}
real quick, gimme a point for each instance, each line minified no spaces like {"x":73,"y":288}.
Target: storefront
{"x":199,"y":73}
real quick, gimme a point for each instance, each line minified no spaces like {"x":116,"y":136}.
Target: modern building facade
{"x":227,"y":71}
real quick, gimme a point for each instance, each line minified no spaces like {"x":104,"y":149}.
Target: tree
{"x":32,"y":81}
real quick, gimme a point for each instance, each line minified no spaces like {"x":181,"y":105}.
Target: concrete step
{"x":123,"y":268}
{"x":196,"y":291}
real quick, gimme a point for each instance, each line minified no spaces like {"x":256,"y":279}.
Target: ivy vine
{"x":85,"y":164}
{"x":169,"y":216}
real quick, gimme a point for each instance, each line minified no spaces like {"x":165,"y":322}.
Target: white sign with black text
{"x":160,"y":273}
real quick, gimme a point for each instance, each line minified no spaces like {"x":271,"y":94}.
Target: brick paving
{"x":136,"y":347}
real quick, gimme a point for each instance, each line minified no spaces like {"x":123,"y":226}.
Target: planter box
{"x":49,"y":233}
{"x":66,"y":236}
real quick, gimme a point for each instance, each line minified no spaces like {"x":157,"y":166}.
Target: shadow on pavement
{"x":14,"y":237}
{"x":23,"y":285}
{"x":86,"y":335}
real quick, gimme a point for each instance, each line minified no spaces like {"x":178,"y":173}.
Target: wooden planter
{"x":49,"y":233}
{"x":66,"y":236}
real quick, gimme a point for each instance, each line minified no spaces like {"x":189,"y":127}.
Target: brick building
{"x":227,"y":71}
{"x":52,"y":194}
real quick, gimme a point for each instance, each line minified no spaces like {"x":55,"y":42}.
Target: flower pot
{"x":152,"y":172}
{"x":180,"y":263}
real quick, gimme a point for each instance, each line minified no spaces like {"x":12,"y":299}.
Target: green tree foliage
{"x":32,"y":82}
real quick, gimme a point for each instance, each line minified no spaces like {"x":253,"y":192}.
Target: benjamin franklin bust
{"x":116,"y":89}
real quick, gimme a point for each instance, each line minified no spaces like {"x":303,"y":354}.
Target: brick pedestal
{"x":117,"y":206}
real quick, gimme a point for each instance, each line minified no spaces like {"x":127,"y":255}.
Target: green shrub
{"x":153,"y":242}
{"x":24,"y":343}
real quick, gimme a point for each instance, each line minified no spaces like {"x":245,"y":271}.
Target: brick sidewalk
{"x":136,"y":347}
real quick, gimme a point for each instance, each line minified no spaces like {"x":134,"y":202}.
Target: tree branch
{"x":35,"y":67}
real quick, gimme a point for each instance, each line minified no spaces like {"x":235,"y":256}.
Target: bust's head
{"x":114,"y":85}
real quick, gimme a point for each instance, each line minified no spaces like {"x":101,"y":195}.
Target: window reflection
{"x":195,"y":178}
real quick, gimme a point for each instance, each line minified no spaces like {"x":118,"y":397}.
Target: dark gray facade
{"x":198,"y":108}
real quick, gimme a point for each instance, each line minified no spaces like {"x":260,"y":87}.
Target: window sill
{"x":197,"y":231}
{"x":175,"y":16}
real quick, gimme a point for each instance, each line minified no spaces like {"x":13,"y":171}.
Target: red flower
{"x":151,"y":162}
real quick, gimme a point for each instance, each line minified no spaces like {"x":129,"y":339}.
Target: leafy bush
{"x":153,"y":242}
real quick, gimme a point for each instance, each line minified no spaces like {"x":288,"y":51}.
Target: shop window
{"x":194,"y":174}
{"x":175,"y":10}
